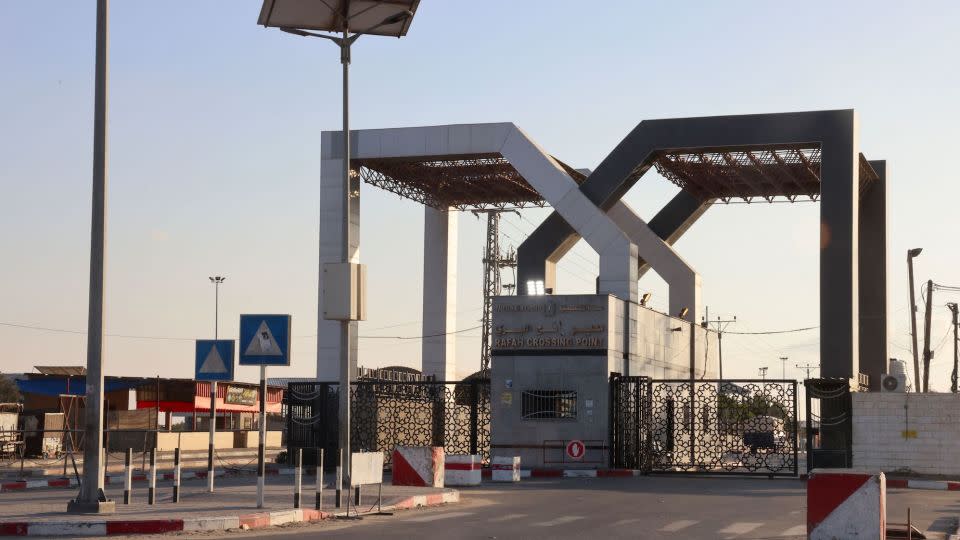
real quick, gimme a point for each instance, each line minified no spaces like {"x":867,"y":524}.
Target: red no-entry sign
{"x":576,"y":449}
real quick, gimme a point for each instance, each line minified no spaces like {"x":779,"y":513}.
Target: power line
{"x":769,"y":332}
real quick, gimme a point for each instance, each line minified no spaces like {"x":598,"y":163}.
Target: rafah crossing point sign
{"x":265,"y":340}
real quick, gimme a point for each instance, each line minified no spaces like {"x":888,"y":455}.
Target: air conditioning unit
{"x":893,"y":383}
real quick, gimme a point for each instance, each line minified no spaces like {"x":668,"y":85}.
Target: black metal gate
{"x":829,"y":430}
{"x":386,"y":414}
{"x":743,"y":427}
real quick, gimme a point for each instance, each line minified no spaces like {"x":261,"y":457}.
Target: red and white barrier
{"x":418,"y":466}
{"x":845,"y":503}
{"x":462,"y":470}
{"x":506,"y":469}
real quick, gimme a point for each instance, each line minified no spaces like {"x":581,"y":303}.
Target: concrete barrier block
{"x":846,"y":503}
{"x":418,"y":466}
{"x":462,"y":470}
{"x":505,"y":469}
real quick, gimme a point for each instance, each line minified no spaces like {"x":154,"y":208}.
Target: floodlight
{"x":914,"y":252}
{"x":683,"y":312}
{"x":645,"y":298}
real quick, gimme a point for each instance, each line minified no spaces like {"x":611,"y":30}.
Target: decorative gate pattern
{"x":829,"y":434}
{"x":705,"y":427}
{"x":384,"y":415}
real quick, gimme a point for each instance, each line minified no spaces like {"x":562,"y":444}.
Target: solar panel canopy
{"x":363,"y":16}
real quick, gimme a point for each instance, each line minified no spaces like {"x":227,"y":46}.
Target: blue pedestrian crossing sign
{"x":265,"y":340}
{"x":214,"y":360}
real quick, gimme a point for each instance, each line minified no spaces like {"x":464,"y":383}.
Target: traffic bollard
{"x":319,"y":502}
{"x":176,"y":474}
{"x":297,"y":478}
{"x":337,"y":502}
{"x":127,"y":475}
{"x":356,"y":496}
{"x":152,"y":490}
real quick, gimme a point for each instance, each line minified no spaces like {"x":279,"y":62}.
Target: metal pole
{"x":91,"y":497}
{"x":152,"y":488}
{"x":298,"y":478}
{"x":345,"y":327}
{"x":127,"y":475}
{"x":720,"y":351}
{"x":261,"y":444}
{"x":913,"y":325}
{"x":176,"y":474}
{"x":927,"y":353}
{"x":318,"y":504}
{"x":338,"y":500}
{"x":211,"y":446}
{"x":956,"y":359}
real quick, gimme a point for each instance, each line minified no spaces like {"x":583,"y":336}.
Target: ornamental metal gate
{"x":738,"y":427}
{"x":385,"y":414}
{"x":829,"y":433}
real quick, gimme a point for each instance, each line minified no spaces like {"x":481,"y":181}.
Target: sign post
{"x":214,"y":362}
{"x":264,"y":341}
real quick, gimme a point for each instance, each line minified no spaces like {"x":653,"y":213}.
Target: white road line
{"x":435,"y":517}
{"x":741,"y":527}
{"x":507,"y":517}
{"x":627,"y":521}
{"x":799,"y":530}
{"x":558,"y":521}
{"x":678,"y":525}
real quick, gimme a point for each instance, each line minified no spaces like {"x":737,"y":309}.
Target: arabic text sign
{"x":571,"y":322}
{"x":239,"y":395}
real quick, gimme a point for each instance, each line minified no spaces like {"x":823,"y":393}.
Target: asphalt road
{"x":676,"y":508}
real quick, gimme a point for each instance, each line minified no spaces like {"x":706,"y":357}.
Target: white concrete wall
{"x":663,"y":353}
{"x":881,"y":421}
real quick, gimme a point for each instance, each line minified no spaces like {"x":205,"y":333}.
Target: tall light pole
{"x":91,"y":498}
{"x":336,"y":16}
{"x":913,"y":317}
{"x":783,"y":363}
{"x":763,"y":373}
{"x":211,"y":448}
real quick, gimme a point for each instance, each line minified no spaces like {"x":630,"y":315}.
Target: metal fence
{"x":746,"y":427}
{"x":386,"y":414}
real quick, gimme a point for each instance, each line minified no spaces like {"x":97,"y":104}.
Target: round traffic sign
{"x":576,"y":449}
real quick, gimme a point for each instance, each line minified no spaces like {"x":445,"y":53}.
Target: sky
{"x":214,"y":161}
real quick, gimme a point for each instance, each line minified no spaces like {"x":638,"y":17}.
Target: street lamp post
{"x":338,"y":17}
{"x":216,"y":280}
{"x":783,"y":363}
{"x":913,"y":317}
{"x":763,"y":373}
{"x":91,"y":498}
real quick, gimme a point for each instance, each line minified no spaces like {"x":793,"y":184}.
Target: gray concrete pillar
{"x":439,"y":352}
{"x":839,"y":253}
{"x":874,"y":324}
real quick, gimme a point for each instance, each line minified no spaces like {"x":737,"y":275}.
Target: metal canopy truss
{"x":477,"y":181}
{"x":750,"y":173}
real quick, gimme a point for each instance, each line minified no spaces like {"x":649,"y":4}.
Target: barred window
{"x":549,"y":405}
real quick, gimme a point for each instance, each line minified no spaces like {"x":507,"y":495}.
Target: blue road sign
{"x":265,"y":340}
{"x":214,"y":360}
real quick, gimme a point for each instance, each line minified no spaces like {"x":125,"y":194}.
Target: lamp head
{"x":914,"y":252}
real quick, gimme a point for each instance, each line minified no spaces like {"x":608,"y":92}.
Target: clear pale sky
{"x":214,"y":160}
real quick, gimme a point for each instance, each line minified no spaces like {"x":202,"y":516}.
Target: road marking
{"x":627,"y":521}
{"x":741,"y":527}
{"x":558,"y":521}
{"x":678,"y":525}
{"x":507,"y":517}
{"x":435,"y":517}
{"x":799,"y":530}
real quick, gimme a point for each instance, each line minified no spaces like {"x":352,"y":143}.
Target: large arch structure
{"x":852,"y":192}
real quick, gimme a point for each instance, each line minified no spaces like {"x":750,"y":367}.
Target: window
{"x":549,"y":405}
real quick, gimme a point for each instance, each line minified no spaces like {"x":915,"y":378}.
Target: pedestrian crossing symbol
{"x":265,"y":340}
{"x":214,"y":360}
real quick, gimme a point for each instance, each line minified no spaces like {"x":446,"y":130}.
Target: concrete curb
{"x":110,"y":479}
{"x":259,"y":520}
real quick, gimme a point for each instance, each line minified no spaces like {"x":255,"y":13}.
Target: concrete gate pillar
{"x":873,"y":277}
{"x":331,"y":239}
{"x":439,"y":353}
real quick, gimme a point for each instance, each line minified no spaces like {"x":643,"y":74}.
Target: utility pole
{"x":91,"y":498}
{"x":721,"y":325}
{"x":763,"y":373}
{"x":913,"y":314}
{"x":956,"y":359}
{"x":211,"y":449}
{"x":927,"y":353}
{"x":493,"y":262}
{"x":783,"y":363}
{"x":808,"y":368}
